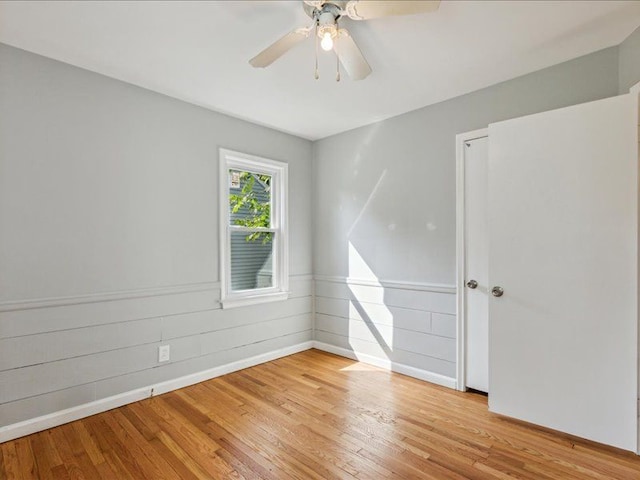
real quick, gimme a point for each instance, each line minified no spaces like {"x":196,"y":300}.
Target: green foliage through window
{"x":251,"y":207}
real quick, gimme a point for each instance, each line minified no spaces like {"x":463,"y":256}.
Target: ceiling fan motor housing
{"x":326,"y":18}
{"x":328,"y":13}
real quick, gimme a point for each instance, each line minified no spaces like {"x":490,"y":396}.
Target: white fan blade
{"x":280,"y":47}
{"x":366,"y":9}
{"x":350,"y":56}
{"x":314,"y":3}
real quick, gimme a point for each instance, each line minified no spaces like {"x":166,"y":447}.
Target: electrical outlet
{"x":164,"y":353}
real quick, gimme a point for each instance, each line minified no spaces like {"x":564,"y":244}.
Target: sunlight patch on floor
{"x":360,"y":367}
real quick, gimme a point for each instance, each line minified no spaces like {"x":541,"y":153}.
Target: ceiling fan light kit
{"x":326,"y":20}
{"x":325,"y":15}
{"x":327,"y":33}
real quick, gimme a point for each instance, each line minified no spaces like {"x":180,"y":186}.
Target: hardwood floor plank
{"x":231,"y":446}
{"x":188,"y":471}
{"x":238,"y":437}
{"x":9,"y":465}
{"x":46,"y":459}
{"x":66,"y":454}
{"x":88,"y":441}
{"x":309,"y":416}
{"x":118,"y":458}
{"x":116,"y":466}
{"x":147,"y":459}
{"x":72,"y":443}
{"x":182,"y":456}
{"x":197,"y":444}
{"x":240,"y":462}
{"x":259,"y":441}
{"x":148,"y":430}
{"x":6,"y":464}
{"x":28,"y":466}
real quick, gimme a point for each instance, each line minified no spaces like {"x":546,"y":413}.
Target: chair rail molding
{"x":418,"y":286}
{"x":27,"y":304}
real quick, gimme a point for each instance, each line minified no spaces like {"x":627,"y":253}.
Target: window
{"x":253,"y":229}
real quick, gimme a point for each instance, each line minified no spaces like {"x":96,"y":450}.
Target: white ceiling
{"x":199,"y":52}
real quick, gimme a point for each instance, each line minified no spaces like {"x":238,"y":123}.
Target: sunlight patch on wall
{"x":369,"y":200}
{"x":359,"y":269}
{"x":369,"y":319}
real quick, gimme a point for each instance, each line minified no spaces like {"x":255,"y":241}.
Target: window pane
{"x":251,"y":260}
{"x":249,"y":199}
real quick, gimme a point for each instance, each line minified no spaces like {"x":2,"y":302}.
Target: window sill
{"x":233,"y":302}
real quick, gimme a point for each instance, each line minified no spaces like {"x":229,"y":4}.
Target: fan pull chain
{"x":316,"y":73}
{"x":335,"y":48}
{"x":336,"y":44}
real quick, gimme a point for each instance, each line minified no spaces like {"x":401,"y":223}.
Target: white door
{"x":563,"y":217}
{"x":476,"y":156}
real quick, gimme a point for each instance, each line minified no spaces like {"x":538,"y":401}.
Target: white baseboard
{"x":61,"y":417}
{"x":388,"y":365}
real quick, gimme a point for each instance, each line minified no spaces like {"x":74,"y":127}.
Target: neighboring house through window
{"x":253,"y":229}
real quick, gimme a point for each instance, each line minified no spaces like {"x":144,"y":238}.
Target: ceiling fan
{"x":325,"y":15}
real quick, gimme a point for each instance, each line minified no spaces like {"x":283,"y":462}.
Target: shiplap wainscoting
{"x":408,"y":328}
{"x":82,"y":352}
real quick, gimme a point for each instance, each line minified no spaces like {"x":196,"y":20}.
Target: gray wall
{"x":109,"y":226}
{"x":108,"y":238}
{"x":629,"y":67}
{"x":384,"y":209}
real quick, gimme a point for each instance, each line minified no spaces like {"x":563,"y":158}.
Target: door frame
{"x":461,"y":328}
{"x":635,"y":91}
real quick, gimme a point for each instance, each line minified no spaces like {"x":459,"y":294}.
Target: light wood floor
{"x":310,"y":415}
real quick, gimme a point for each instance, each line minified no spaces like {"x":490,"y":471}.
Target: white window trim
{"x":280,"y":202}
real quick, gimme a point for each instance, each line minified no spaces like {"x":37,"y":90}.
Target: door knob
{"x":472,"y":284}
{"x":497,"y":291}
